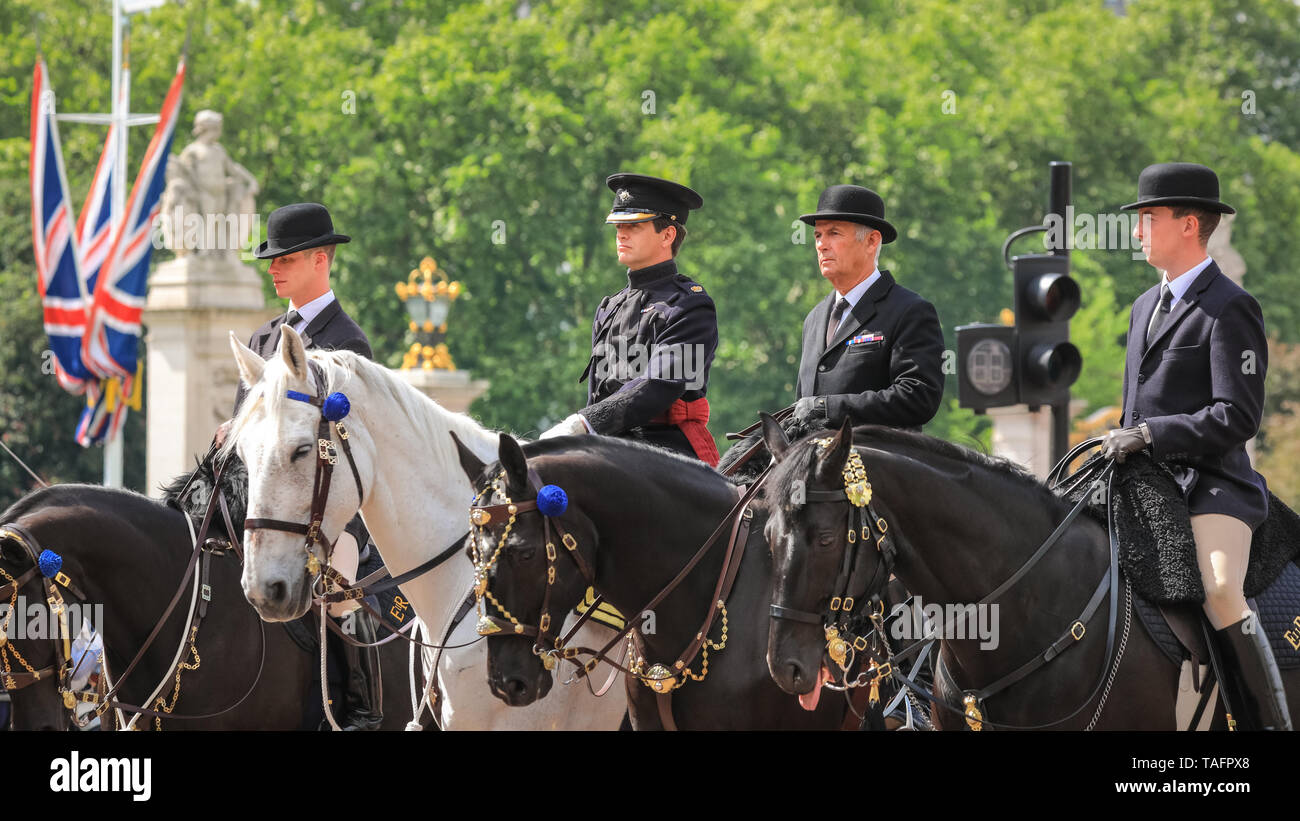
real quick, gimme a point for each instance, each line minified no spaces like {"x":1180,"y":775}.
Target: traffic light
{"x":986,"y":375}
{"x":1032,"y":361}
{"x":1046,"y":297}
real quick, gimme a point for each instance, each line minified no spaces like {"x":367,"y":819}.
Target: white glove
{"x":574,"y":425}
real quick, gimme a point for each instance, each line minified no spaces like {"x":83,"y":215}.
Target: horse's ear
{"x":469,"y":462}
{"x":831,"y":462}
{"x":774,"y":436}
{"x":515,"y":465}
{"x":250,"y":364}
{"x":293,"y":352}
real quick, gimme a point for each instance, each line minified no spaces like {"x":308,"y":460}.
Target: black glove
{"x":809,"y":410}
{"x":1120,"y":442}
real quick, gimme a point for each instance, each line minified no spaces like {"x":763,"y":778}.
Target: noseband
{"x":333,"y":410}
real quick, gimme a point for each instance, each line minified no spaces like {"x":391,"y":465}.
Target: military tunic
{"x":652,"y":343}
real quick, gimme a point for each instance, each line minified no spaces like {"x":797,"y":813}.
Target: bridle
{"x":850,"y":633}
{"x":551,"y":502}
{"x":334,"y":408}
{"x":857,"y":492}
{"x":47,"y":567}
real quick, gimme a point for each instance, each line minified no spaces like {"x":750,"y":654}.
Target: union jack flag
{"x":58,"y":265}
{"x":111,"y":344}
{"x":96,"y":221}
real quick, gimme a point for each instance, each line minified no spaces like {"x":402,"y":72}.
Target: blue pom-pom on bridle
{"x":552,"y":500}
{"x":335,"y":407}
{"x":50,"y":563}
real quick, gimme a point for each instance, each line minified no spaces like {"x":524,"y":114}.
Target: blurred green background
{"x":427,"y":127}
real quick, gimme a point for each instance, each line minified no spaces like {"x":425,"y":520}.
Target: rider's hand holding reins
{"x":1119,"y":443}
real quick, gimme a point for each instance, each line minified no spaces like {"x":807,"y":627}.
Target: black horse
{"x":128,"y":553}
{"x":638,"y":514}
{"x":962,"y":524}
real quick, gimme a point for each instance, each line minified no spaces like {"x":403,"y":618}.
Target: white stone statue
{"x":1220,"y":248}
{"x":207,"y":206}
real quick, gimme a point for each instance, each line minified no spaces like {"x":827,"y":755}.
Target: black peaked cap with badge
{"x":641,"y":198}
{"x":661,"y":311}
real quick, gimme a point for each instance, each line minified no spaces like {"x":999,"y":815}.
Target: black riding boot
{"x":1248,"y":653}
{"x":363,"y":695}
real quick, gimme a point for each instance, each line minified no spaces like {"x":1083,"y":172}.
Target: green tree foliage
{"x":481,"y":133}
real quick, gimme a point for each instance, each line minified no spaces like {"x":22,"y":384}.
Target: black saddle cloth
{"x":1156,"y":547}
{"x":1158,"y":553}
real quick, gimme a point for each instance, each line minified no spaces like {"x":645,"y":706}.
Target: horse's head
{"x":285,"y":436}
{"x":37,"y":703}
{"x":532,"y":553}
{"x":825,"y":553}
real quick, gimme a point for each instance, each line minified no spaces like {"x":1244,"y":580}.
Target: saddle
{"x":1158,"y":555}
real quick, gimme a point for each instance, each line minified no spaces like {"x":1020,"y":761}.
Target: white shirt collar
{"x":857,"y":291}
{"x":311,"y":310}
{"x":1179,"y":286}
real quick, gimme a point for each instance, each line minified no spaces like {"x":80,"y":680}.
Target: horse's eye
{"x":527,"y":554}
{"x":825,"y":538}
{"x":302,"y":451}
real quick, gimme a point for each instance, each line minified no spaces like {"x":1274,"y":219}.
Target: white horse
{"x":416,"y":501}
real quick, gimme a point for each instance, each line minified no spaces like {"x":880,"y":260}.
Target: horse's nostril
{"x":796,"y":673}
{"x":277,"y":592}
{"x":515,"y":686}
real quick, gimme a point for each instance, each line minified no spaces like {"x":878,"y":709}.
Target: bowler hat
{"x":853,"y":203}
{"x":298,"y":227}
{"x":639,"y":198}
{"x":1179,"y":183}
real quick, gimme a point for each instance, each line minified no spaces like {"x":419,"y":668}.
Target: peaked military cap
{"x":638,"y":198}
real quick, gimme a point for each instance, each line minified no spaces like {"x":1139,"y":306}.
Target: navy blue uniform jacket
{"x":1200,"y":389}
{"x":652,"y":343}
{"x":884,"y":366}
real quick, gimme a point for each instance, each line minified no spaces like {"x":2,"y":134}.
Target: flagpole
{"x":113,"y":447}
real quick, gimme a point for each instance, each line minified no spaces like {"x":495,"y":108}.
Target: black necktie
{"x":1161,"y":314}
{"x":292,"y":318}
{"x":841,"y":305}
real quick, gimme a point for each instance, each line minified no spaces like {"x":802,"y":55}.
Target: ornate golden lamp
{"x":428,"y":301}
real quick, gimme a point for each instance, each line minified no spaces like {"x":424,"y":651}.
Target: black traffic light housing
{"x":1047,"y":364}
{"x":1033,"y":362}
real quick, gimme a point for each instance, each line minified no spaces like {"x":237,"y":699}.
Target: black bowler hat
{"x":638,"y":198}
{"x":853,"y":203}
{"x":1179,"y":183}
{"x":298,"y":227}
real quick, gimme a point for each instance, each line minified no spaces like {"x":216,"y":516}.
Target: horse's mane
{"x":798,"y":461}
{"x":198,"y":488}
{"x":43,"y":495}
{"x":614,"y":446}
{"x":431,"y":420}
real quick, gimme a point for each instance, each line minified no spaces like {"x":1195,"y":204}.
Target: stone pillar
{"x":1025,"y":437}
{"x":454,"y":390}
{"x":194,"y":302}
